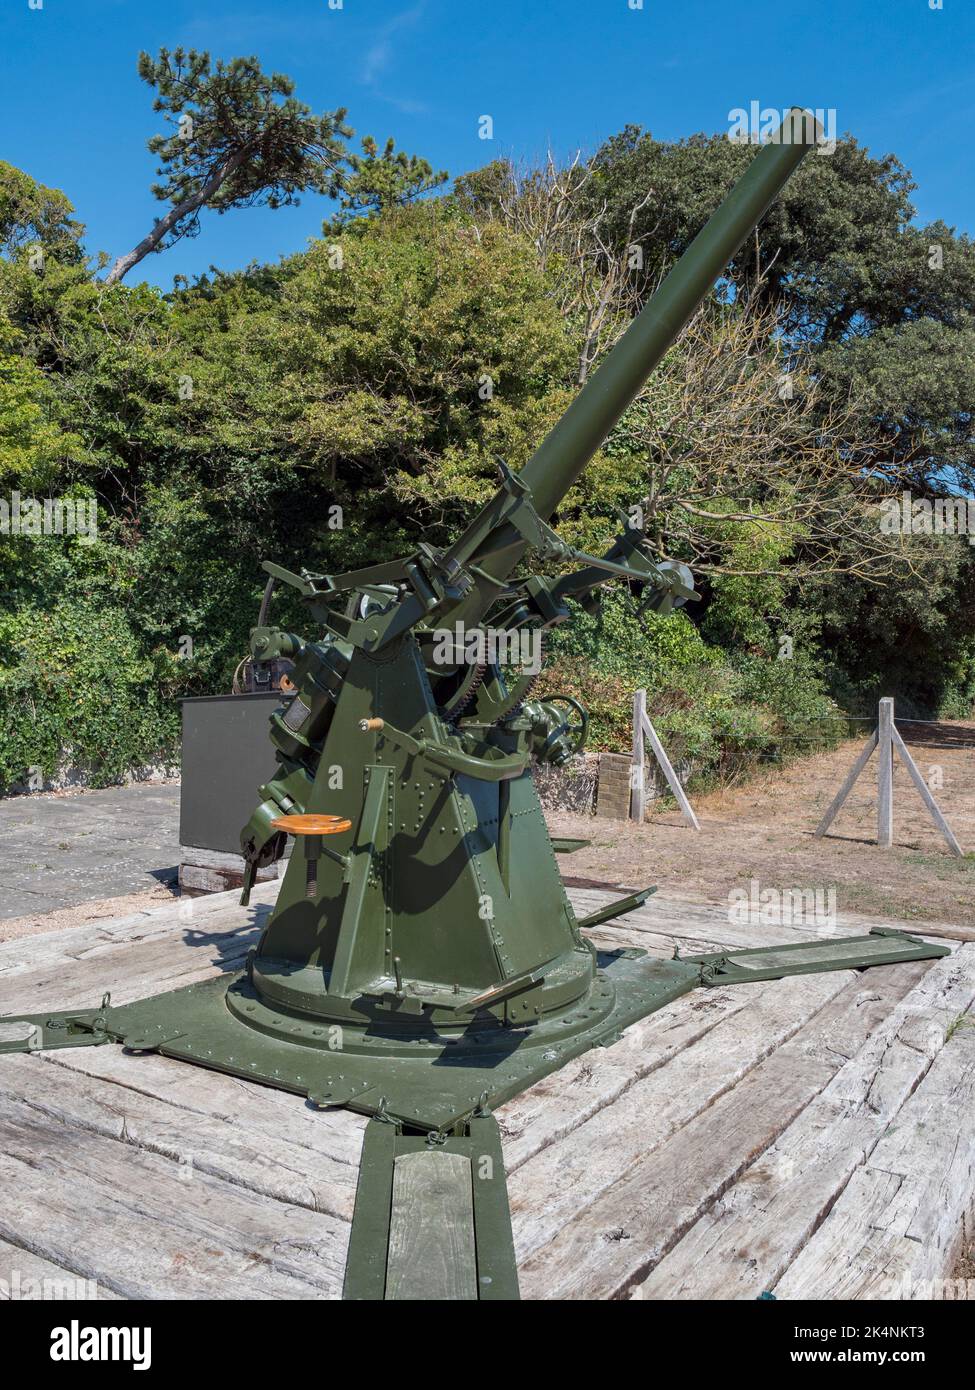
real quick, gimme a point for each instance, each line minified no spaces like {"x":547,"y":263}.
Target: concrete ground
{"x":58,"y":849}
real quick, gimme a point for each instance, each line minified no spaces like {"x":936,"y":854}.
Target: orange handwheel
{"x":311,"y":825}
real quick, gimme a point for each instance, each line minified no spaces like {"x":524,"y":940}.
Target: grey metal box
{"x":227,"y":755}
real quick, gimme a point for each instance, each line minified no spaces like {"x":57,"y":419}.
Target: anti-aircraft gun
{"x":441,"y":925}
{"x":422,"y":962}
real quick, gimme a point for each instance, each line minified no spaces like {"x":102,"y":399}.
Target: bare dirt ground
{"x":763,"y":830}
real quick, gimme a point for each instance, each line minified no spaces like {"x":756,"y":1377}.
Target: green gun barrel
{"x":566,"y":450}
{"x":564,"y":453}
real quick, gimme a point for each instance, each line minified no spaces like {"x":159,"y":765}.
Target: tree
{"x":386,"y":384}
{"x":32,"y":215}
{"x":591,"y":278}
{"x":883,"y":304}
{"x":737,"y":467}
{"x":34,"y":452}
{"x":239,"y":138}
{"x":828,"y":253}
{"x":375,"y":182}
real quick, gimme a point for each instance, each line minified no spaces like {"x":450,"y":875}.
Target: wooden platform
{"x":810,"y":1137}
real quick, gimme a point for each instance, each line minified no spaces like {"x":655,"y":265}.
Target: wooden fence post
{"x":643,"y":729}
{"x":885,"y":775}
{"x":638,"y":788}
{"x":886,"y":737}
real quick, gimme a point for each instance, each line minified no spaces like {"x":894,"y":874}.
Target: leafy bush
{"x":720,"y":715}
{"x":75,"y":687}
{"x":220,"y":425}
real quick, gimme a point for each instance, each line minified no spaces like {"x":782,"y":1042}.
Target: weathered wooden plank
{"x":560,"y":1103}
{"x":197,"y":880}
{"x":552,"y":1188}
{"x":572,"y":1096}
{"x":265,"y":1149}
{"x":744,"y":1244}
{"x":259,"y":1161}
{"x":613,"y":1242}
{"x":25,"y":1276}
{"x":129,"y":970}
{"x":235,"y":863}
{"x":895,"y":1231}
{"x":431,"y":1229}
{"x":708,"y":925}
{"x":144,"y":1228}
{"x":153,"y":969}
{"x":261,"y":1110}
{"x":698,"y":925}
{"x":173,"y":921}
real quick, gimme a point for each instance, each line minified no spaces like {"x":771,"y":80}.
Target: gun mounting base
{"x":434,"y":1083}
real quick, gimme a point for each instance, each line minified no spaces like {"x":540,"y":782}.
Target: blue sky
{"x":564,"y":73}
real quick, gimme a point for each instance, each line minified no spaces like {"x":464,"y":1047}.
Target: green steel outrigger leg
{"x":428,"y":1068}
{"x":884,"y":946}
{"x":617,"y":909}
{"x":431,"y":1218}
{"x":44,"y":1032}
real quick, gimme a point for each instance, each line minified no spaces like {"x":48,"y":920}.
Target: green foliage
{"x":375,"y":182}
{"x":722,"y":716}
{"x":32,"y":215}
{"x":238,"y":135}
{"x":75,"y":688}
{"x":915,"y":644}
{"x":354,"y":380}
{"x":224,"y":424}
{"x":33,"y":450}
{"x":886,"y":303}
{"x":371,"y":380}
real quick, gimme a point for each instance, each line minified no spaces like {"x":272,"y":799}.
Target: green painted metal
{"x":883,"y":946}
{"x":446,"y":908}
{"x":617,"y":909}
{"x":479,"y":1142}
{"x":426,"y":1076}
{"x":427,"y":965}
{"x":439,"y":925}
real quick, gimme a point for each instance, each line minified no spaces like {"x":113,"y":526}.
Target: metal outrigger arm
{"x":426,"y":1076}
